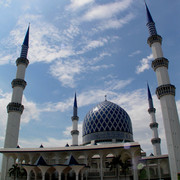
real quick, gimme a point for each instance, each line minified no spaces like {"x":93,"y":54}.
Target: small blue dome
{"x":106,"y":122}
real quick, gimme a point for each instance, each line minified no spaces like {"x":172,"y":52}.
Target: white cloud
{"x":115,"y":23}
{"x":99,"y":58}
{"x":134,"y":53}
{"x":117,"y":84}
{"x":75,"y":4}
{"x":65,"y":71}
{"x":5,"y":3}
{"x":107,"y":10}
{"x":100,"y":67}
{"x":93,"y":44}
{"x":96,"y":43}
{"x":31,"y":111}
{"x":72,"y":31}
{"x":144,"y":64}
{"x":4,"y":101}
{"x":4,"y":59}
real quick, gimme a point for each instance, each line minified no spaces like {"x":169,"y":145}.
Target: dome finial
{"x":105,"y":97}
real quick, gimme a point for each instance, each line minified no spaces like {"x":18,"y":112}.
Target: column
{"x":101,"y":166}
{"x":134,"y":163}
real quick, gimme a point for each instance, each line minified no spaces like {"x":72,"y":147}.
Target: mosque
{"x":108,"y":150}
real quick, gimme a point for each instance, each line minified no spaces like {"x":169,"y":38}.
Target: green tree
{"x":15,"y":171}
{"x":125,"y":167}
{"x":117,"y":163}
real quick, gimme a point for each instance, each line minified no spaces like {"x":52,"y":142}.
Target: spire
{"x":150,"y":23}
{"x":25,"y":45}
{"x":149,"y":17}
{"x":26,"y":39}
{"x":75,"y":106}
{"x":75,"y":101}
{"x":150,"y":100}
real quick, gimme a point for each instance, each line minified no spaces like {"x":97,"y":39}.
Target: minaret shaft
{"x":166,"y":94}
{"x":15,"y":108}
{"x":75,"y":118}
{"x":156,"y":141}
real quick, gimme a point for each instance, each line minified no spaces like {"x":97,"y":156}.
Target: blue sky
{"x":93,"y":47}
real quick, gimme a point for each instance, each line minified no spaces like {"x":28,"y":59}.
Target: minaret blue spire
{"x":150,"y":23}
{"x":25,"y":45}
{"x":75,"y":106}
{"x":150,"y":100}
{"x":75,"y":101}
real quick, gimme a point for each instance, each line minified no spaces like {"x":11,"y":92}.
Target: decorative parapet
{"x":22,"y":60}
{"x":75,"y":118}
{"x":165,"y":90}
{"x":154,"y":125}
{"x":156,"y":141}
{"x":74,"y":132}
{"x":154,"y":38}
{"x":12,"y":106}
{"x":159,"y":62}
{"x":150,"y":110}
{"x":19,"y":82}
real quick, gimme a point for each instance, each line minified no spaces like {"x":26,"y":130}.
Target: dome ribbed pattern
{"x":107,"y":117}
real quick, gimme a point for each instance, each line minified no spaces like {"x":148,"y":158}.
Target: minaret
{"x":166,"y":93}
{"x":15,"y":108}
{"x":154,"y":125}
{"x":75,"y":119}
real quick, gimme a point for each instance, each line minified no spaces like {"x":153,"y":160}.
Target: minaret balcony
{"x":22,"y":60}
{"x":151,"y":110}
{"x":74,"y":132}
{"x":165,"y":90}
{"x":17,"y":107}
{"x":156,"y":141}
{"x":75,"y":118}
{"x":154,"y":38}
{"x":154,"y":125}
{"x":159,"y":62}
{"x":18,"y":82}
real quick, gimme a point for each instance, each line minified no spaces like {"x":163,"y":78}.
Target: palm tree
{"x":16,"y":171}
{"x":117,"y":163}
{"x":125,"y":167}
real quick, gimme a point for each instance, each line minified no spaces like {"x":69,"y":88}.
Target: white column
{"x":77,"y":175}
{"x":65,"y":175}
{"x":43,"y":171}
{"x":60,"y":169}
{"x":101,"y":165}
{"x":148,"y":172}
{"x":28,"y":170}
{"x":77,"y":169}
{"x":134,"y":163}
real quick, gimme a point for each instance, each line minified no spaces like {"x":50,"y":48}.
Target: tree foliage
{"x":117,"y":162}
{"x":15,"y":171}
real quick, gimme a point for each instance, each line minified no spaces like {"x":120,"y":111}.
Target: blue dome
{"x":107,"y":122}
